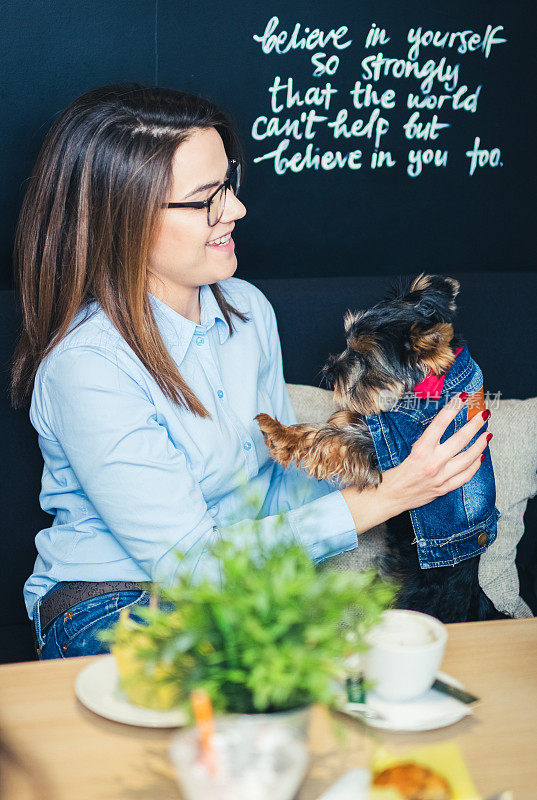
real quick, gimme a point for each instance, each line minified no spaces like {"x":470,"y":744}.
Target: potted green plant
{"x":263,"y":643}
{"x":270,"y":636}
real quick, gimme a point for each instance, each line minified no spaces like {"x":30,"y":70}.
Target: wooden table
{"x":85,"y":756}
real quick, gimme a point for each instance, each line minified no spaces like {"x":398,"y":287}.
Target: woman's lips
{"x":225,"y":248}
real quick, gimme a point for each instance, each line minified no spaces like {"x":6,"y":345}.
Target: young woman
{"x":146,"y":362}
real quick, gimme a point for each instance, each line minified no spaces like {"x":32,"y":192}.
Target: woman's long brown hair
{"x":89,"y":217}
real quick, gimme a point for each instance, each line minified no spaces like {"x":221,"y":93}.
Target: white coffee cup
{"x":405,"y":653}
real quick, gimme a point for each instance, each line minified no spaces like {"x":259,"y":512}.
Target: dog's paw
{"x":270,"y":428}
{"x":275,"y":435}
{"x":286,"y":443}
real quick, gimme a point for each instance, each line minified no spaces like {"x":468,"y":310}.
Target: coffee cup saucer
{"x":429,"y":711}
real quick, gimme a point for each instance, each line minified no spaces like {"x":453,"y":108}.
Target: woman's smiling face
{"x":183,"y":257}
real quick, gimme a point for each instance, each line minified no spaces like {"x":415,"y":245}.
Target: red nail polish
{"x":489,"y":437}
{"x":463,"y":396}
{"x":482,"y":457}
{"x":485,"y":414}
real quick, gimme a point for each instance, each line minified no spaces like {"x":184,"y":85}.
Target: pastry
{"x":414,"y":782}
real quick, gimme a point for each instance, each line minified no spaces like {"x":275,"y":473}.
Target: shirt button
{"x":247,"y":445}
{"x":482,"y":538}
{"x":220,"y":393}
{"x":200,"y":340}
{"x":213,"y":511}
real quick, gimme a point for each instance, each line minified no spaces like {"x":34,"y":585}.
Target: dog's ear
{"x":432,"y":346}
{"x":433,"y":297}
{"x":350,"y":318}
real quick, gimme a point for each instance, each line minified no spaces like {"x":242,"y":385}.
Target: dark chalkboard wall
{"x":339,"y":221}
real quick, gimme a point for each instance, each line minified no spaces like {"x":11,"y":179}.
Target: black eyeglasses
{"x":216,"y":203}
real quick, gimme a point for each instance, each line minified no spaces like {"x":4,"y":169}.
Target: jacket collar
{"x":178,"y":331}
{"x":432,"y":385}
{"x":462,"y":372}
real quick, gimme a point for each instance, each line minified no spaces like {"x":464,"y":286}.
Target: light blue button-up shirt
{"x":130,"y":477}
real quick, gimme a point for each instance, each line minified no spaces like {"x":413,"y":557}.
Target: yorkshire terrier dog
{"x":401,"y":361}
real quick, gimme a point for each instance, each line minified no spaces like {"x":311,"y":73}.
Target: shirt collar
{"x":211,"y":313}
{"x":178,"y":331}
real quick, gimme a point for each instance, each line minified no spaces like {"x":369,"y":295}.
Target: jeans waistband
{"x":71,"y":593}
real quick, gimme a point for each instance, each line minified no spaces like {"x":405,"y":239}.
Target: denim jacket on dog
{"x":458,"y":525}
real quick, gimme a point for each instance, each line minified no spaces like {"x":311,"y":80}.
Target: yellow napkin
{"x":445,"y":759}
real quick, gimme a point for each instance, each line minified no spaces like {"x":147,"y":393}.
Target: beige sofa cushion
{"x":514,"y":457}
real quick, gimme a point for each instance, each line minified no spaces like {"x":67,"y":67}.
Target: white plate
{"x":448,"y":710}
{"x":97,"y":687}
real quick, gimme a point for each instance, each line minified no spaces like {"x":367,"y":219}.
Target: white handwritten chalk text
{"x":371,"y":111}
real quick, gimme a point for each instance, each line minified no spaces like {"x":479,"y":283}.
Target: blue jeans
{"x":74,"y":633}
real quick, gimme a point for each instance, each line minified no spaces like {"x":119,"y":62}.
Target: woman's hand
{"x":431,"y":470}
